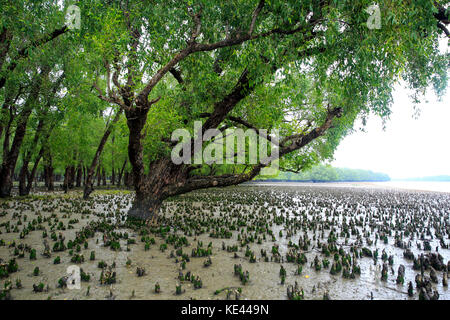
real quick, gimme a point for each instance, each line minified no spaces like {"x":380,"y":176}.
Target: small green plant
{"x":39,"y":287}
{"x":299,"y":269}
{"x":115,"y":245}
{"x":33,"y":254}
{"x":178,"y":289}
{"x":12,"y":266}
{"x":84,"y":276}
{"x":78,"y":258}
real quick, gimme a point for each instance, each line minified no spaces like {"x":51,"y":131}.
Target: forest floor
{"x":316,"y":234}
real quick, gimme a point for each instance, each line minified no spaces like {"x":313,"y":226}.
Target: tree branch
{"x":24,"y":52}
{"x":255,"y":15}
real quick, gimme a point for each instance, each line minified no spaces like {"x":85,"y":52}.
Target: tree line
{"x":323,"y":173}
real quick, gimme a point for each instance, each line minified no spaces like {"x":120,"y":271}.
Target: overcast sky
{"x":409,"y":147}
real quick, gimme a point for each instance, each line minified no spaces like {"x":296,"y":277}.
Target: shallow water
{"x":306,"y":210}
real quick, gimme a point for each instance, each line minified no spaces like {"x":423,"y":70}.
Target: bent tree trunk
{"x":166,"y":179}
{"x":89,"y":182}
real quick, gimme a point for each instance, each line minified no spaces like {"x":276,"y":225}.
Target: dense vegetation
{"x":328,"y":173}
{"x":103,"y":100}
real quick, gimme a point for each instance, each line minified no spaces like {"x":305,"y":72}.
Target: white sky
{"x":409,"y":147}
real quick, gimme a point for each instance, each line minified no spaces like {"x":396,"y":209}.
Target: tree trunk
{"x":163,"y":173}
{"x":70,"y":183}
{"x":79,"y":175}
{"x":104,"y":176}
{"x":99,"y":176}
{"x":136,"y":118}
{"x":32,"y":174}
{"x":45,"y":177}
{"x":48,"y":169}
{"x":113,"y":176}
{"x":119,"y":179}
{"x":125,"y":179}
{"x":113,"y":170}
{"x":23,"y":179}
{"x":50,"y":179}
{"x":89,"y":185}
{"x":66,"y":179}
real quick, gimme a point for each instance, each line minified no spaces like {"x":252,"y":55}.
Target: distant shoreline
{"x":415,"y":186}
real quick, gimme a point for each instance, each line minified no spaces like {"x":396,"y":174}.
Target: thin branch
{"x":255,"y":15}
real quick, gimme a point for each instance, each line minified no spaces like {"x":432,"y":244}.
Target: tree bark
{"x":136,"y":118}
{"x":148,"y":201}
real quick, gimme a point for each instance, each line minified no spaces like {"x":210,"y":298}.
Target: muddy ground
{"x":300,"y":220}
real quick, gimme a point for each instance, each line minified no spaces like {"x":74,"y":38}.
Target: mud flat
{"x":246,"y":242}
